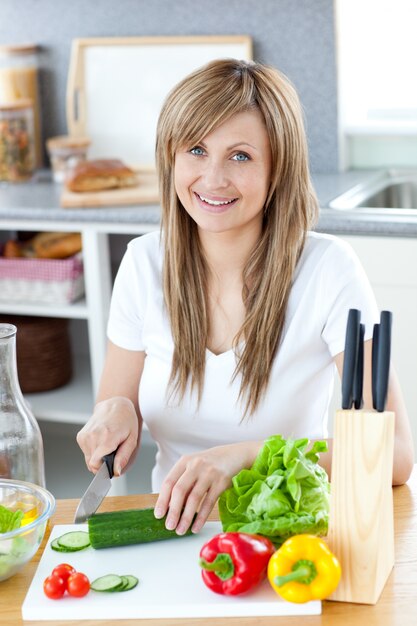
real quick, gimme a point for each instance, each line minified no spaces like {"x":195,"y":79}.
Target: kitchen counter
{"x":38,"y":201}
{"x":396,"y":606}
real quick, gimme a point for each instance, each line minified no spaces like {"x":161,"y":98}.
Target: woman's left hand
{"x":197,"y":480}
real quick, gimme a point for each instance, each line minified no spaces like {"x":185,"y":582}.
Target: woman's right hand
{"x":113,"y":426}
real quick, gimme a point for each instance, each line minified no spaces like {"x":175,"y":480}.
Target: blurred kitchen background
{"x":352,"y":62}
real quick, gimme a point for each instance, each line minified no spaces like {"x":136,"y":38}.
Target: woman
{"x":229,"y":327}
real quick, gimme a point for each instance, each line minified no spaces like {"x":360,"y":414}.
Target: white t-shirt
{"x":328,"y":281}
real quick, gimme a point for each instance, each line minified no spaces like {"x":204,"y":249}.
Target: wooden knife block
{"x":361,"y":525}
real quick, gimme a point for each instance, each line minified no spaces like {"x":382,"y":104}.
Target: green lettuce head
{"x":283,"y":494}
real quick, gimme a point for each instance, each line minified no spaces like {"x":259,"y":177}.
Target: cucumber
{"x":122,"y":528}
{"x":55,"y":546}
{"x":73,"y":541}
{"x":132,"y":581}
{"x":110,"y":582}
{"x":125,"y":584}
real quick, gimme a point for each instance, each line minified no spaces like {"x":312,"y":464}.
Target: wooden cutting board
{"x":170,"y":584}
{"x":146,"y":192}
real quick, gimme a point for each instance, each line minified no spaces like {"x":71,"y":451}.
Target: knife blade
{"x":96,"y":491}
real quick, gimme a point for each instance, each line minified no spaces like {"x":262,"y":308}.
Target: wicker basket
{"x":43,"y":349}
{"x":46,"y":281}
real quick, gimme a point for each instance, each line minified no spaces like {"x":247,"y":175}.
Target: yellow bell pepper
{"x":304,"y":569}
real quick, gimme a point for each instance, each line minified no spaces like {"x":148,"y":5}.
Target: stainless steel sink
{"x":393,"y":192}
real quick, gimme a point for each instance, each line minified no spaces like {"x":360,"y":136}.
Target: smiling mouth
{"x":215,"y":204}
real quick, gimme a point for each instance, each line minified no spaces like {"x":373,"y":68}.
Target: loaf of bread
{"x":100,"y":174}
{"x":44,"y":246}
{"x":12,"y":249}
{"x":55,"y":245}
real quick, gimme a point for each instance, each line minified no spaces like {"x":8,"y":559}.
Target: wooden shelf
{"x":77,"y":310}
{"x":72,"y":403}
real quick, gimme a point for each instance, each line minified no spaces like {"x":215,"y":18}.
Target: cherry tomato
{"x":54,"y":587}
{"x":64,"y":570}
{"x":78,"y":585}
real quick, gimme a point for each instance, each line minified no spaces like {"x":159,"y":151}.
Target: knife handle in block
{"x":361,"y":525}
{"x":383,"y":360}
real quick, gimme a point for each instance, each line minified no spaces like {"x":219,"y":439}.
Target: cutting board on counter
{"x":146,"y":192}
{"x":170,"y":584}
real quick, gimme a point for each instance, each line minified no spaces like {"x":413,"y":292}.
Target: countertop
{"x":38,"y":201}
{"x":396,"y":606}
{"x":358,"y":221}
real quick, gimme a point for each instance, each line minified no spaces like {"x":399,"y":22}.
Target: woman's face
{"x":223,"y":181}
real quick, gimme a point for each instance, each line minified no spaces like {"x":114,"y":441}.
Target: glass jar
{"x":17,"y":156}
{"x":21,"y":446}
{"x":64,"y":153}
{"x":19,"y":79}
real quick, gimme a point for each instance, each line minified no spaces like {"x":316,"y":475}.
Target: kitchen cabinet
{"x":390,"y":263}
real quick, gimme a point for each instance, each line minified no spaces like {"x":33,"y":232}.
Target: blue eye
{"x":197,"y":151}
{"x":241,"y":156}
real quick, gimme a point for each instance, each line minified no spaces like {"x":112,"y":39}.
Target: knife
{"x":381,"y":356}
{"x":350,"y":360}
{"x":96,"y":491}
{"x":358,"y":379}
{"x":375,"y":350}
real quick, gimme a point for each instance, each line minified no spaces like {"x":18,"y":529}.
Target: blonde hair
{"x":195,"y":107}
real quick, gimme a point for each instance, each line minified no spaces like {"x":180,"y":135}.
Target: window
{"x":377,"y":65}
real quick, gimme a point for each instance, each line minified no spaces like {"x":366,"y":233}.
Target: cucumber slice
{"x":132,"y":582}
{"x":125,"y":583}
{"x":110,"y":582}
{"x":73,"y":541}
{"x":55,"y":546}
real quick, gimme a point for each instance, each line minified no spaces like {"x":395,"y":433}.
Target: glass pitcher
{"x":21,"y":446}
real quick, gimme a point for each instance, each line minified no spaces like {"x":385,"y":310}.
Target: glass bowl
{"x":17,"y":547}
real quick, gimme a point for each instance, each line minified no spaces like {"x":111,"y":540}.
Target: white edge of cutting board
{"x":170,"y":584}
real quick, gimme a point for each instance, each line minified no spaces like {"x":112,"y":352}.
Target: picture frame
{"x":116,"y":87}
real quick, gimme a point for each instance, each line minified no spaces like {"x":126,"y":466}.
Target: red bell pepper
{"x":232,"y":563}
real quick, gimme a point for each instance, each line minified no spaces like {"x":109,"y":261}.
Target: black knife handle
{"x":108,"y":459}
{"x":350,"y":357}
{"x":384,"y":358}
{"x":358,"y":379}
{"x":375,"y":338}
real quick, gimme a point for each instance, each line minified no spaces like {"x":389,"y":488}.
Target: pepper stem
{"x":303,"y":571}
{"x":222,"y":566}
